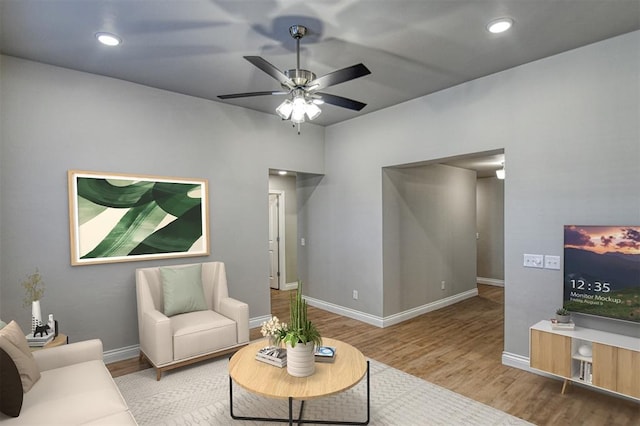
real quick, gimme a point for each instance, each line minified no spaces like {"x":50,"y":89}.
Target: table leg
{"x":300,"y":420}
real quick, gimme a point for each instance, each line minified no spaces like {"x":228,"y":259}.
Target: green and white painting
{"x":118,"y":218}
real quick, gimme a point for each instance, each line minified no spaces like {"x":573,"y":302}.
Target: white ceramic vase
{"x":301,"y":360}
{"x":36,"y":315}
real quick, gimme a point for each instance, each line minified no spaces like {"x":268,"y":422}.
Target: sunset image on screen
{"x":602,"y":271}
{"x":603,"y":239}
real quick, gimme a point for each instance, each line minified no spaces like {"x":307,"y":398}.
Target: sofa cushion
{"x":72,"y":395}
{"x":13,"y":342}
{"x":182,"y":288}
{"x":202,"y":332}
{"x":10,"y":386}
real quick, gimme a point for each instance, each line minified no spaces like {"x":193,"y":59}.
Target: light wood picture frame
{"x":116,"y":217}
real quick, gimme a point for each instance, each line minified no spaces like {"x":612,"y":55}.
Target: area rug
{"x":199,"y":395}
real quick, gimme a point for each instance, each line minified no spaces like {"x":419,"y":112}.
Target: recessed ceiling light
{"x":499,"y":25}
{"x":282,"y":172}
{"x":108,"y":39}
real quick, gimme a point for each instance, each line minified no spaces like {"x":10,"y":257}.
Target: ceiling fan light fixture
{"x":284,"y":109}
{"x":499,"y":25}
{"x":312,"y":110}
{"x":297,"y":116}
{"x":299,"y":106}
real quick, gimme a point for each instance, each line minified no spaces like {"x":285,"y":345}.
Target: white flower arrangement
{"x":273,"y":327}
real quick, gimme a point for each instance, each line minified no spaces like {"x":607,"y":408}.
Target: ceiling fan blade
{"x":274,"y":72}
{"x":339,"y":76}
{"x":341,"y":101}
{"x":249,"y":94}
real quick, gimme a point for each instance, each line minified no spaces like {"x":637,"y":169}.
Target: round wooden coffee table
{"x":348,"y":369}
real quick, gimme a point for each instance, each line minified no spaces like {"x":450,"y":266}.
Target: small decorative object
{"x":36,"y":315}
{"x":300,"y":337}
{"x":51,"y":323}
{"x":585,"y":350}
{"x":325,"y":354}
{"x":273,"y":355}
{"x":562,"y":316}
{"x":41,"y":329}
{"x":34,"y":289}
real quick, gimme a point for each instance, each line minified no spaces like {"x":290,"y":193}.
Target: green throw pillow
{"x":2,"y":324}
{"x":182,"y":289}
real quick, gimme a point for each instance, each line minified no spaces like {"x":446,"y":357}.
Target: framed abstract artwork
{"x":116,"y":217}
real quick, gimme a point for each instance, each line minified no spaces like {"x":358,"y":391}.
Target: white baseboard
{"x":121,"y":354}
{"x":518,"y":361}
{"x":392,"y":319}
{"x":490,"y":281}
{"x":257,"y":322}
{"x":290,"y":286}
{"x":345,"y":312}
{"x":429,"y":307}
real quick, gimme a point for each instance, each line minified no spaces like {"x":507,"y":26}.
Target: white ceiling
{"x":412,"y":47}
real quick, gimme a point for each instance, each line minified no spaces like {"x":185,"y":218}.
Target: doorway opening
{"x":435,"y":247}
{"x":283,"y":230}
{"x":277,"y":252}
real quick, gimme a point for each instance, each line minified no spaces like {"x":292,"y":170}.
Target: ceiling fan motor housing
{"x":300,"y":77}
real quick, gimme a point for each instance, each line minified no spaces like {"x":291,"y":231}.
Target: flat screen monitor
{"x":602,"y":271}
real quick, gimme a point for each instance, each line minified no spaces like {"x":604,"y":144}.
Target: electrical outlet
{"x":303,"y":242}
{"x":355,"y":294}
{"x":442,"y":285}
{"x":552,"y":262}
{"x":534,"y":261}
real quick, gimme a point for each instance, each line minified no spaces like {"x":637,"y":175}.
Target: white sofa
{"x":219,"y":326}
{"x":75,"y":388}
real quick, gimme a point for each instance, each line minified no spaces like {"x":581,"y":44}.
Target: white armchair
{"x":170,"y":342}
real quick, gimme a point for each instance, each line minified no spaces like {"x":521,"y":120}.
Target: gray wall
{"x":490,"y":227}
{"x":306,"y":184}
{"x":288,"y":185}
{"x":429,"y":224}
{"x":568,"y":125}
{"x":54,"y":119}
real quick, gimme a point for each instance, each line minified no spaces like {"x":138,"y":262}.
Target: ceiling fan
{"x":302,"y":87}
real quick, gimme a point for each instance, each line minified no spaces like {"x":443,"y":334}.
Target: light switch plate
{"x":552,"y":262}
{"x":534,"y":260}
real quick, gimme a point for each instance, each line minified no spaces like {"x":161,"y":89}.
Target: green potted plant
{"x":562,"y":315}
{"x":300,"y":337}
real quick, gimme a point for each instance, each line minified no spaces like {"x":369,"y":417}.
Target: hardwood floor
{"x":459,"y":348}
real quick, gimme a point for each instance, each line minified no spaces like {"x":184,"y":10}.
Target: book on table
{"x":272,"y":355}
{"x":555,"y":325}
{"x":38,"y":341}
{"x":325,"y":354}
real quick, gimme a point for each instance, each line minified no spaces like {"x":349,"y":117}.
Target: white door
{"x":274,"y":239}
